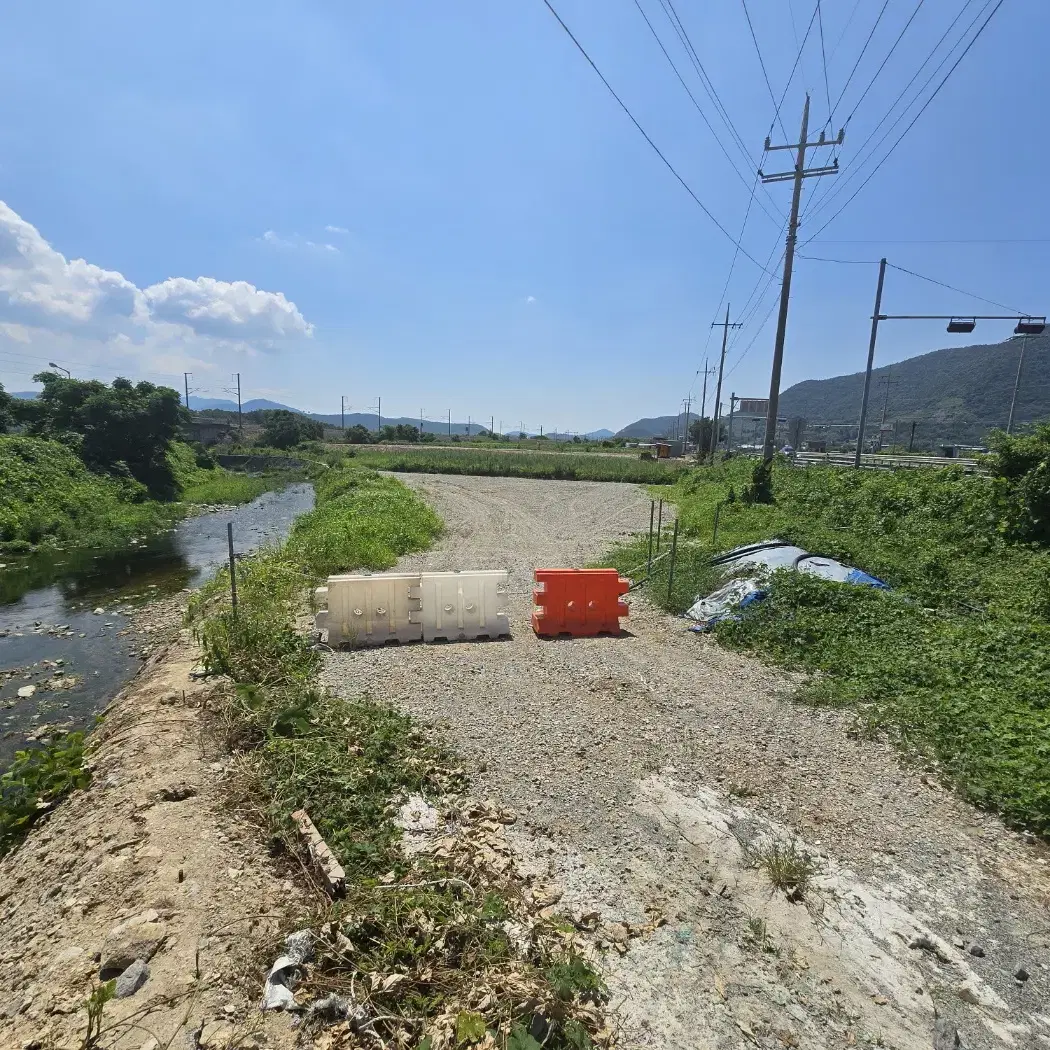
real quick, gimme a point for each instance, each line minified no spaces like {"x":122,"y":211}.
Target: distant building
{"x":749,"y":424}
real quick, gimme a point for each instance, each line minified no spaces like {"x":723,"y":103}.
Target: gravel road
{"x":650,"y":770}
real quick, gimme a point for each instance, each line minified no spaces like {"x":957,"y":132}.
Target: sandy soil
{"x":151,"y":857}
{"x":652,"y":768}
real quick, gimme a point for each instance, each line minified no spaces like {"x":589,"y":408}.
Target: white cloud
{"x":44,"y":293}
{"x":296,"y":242}
{"x":530,"y":298}
{"x":336,"y":229}
{"x":226,"y":310}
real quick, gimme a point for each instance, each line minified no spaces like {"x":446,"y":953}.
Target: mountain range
{"x":964,"y":390}
{"x":958,"y":388}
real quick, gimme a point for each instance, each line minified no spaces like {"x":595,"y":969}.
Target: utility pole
{"x":732,"y":408}
{"x":725,"y":326}
{"x":885,"y":407}
{"x":911,"y":440}
{"x":875,"y":318}
{"x":800,"y":173}
{"x":379,"y":414}
{"x":421,"y":424}
{"x":1017,"y":383}
{"x":240,"y":417}
{"x":688,"y":406}
{"x":492,"y":425}
{"x":468,"y":426}
{"x":186,"y":387}
{"x":450,"y":422}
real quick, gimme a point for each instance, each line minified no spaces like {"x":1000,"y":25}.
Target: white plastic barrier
{"x":371,"y":610}
{"x":464,"y":605}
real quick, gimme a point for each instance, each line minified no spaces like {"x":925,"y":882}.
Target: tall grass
{"x":562,"y":466}
{"x":954,"y":663}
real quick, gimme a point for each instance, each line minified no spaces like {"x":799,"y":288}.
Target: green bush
{"x":35,"y":780}
{"x":1022,"y":466}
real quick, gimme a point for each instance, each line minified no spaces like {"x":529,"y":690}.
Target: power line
{"x":765,"y":75}
{"x":824,"y":60}
{"x":645,"y":135}
{"x":952,"y":288}
{"x":791,"y":75}
{"x":937,"y":90}
{"x":863,"y":51}
{"x":817,"y":203}
{"x":845,"y":28}
{"x":951,"y":240}
{"x":882,"y":65}
{"x":703,"y":115}
{"x":851,"y":262}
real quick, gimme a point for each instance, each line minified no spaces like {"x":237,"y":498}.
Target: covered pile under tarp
{"x":748,"y":568}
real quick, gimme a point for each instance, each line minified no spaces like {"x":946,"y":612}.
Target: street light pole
{"x":69,"y":375}
{"x":1017,"y":383}
{"x":871,"y":359}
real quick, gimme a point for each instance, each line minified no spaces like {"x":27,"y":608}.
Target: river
{"x":53,"y":636}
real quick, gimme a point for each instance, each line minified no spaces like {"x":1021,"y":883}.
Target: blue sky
{"x":441,"y":205}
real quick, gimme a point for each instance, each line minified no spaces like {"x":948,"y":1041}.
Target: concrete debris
{"x":417,"y":815}
{"x":324,"y":859}
{"x":132,"y":979}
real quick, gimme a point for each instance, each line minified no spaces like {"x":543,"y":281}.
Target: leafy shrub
{"x":34,"y":781}
{"x":1022,"y":466}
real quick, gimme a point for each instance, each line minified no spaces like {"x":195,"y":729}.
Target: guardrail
{"x":882,"y":461}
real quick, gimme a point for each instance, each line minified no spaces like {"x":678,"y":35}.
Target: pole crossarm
{"x":787,"y":176}
{"x":822,"y":141}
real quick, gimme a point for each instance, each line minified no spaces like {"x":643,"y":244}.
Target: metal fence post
{"x":674,"y":552}
{"x":652,"y":512}
{"x":659,"y":526}
{"x":233,"y":567}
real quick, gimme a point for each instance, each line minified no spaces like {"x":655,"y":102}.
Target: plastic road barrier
{"x":578,"y":602}
{"x":371,"y":610}
{"x":465,"y":605}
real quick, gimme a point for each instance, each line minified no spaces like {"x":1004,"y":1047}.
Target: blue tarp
{"x":747,"y":569}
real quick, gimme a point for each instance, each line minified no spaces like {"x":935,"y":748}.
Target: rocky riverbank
{"x":148,"y":876}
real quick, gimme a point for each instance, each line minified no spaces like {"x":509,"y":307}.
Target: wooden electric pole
{"x":725,"y":326}
{"x":796,"y":176}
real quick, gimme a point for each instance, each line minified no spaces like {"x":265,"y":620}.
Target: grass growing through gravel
{"x":954,"y":662}
{"x":423,"y":943}
{"x":561,"y":466}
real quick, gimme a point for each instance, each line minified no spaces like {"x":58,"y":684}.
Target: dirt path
{"x":148,"y":862}
{"x":651,"y":769}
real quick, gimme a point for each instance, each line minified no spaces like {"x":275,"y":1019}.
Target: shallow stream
{"x":62,"y":613}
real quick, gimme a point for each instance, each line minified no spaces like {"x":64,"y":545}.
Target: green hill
{"x":963,"y":391}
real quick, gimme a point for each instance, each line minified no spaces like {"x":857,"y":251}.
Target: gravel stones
{"x":132,"y":979}
{"x":136,"y":939}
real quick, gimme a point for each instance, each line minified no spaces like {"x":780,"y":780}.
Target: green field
{"x":562,"y":466}
{"x":953,"y":663}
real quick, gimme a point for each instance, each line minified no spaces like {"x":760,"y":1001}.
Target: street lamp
{"x":51,"y":364}
{"x":1025,"y":326}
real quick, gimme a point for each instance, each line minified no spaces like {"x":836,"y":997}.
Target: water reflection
{"x":48,"y":609}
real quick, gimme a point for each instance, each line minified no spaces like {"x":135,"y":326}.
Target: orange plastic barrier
{"x":578,"y":602}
